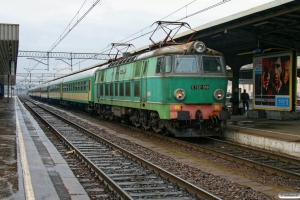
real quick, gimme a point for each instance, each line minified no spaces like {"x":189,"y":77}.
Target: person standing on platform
{"x":235,"y":101}
{"x":245,"y":99}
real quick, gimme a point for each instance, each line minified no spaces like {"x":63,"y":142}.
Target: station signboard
{"x":272,"y":81}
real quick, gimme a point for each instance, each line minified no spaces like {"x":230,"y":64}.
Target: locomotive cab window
{"x":117,"y":73}
{"x":186,"y":64}
{"x":167,"y":64}
{"x":159,"y":64}
{"x":137,"y":70}
{"x":211,"y":65}
{"x":145,"y":67}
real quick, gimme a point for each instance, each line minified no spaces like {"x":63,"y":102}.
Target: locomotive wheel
{"x":165,"y":131}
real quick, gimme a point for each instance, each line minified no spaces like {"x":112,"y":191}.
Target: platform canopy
{"x":9,"y":46}
{"x":271,"y":26}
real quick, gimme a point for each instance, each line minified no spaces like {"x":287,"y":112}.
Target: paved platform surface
{"x":31,"y":167}
{"x":276,"y":135}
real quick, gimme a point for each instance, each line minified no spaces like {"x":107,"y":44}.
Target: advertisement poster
{"x":272,"y":85}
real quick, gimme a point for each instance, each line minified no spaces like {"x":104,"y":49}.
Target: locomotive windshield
{"x":186,"y":64}
{"x":211,"y":64}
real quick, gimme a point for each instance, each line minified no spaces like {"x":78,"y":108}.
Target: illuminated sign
{"x":272,"y":81}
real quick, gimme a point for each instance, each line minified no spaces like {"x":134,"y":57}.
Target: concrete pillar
{"x":7,"y":88}
{"x":235,"y":79}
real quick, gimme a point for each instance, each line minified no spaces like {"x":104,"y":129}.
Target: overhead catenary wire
{"x":105,"y":49}
{"x":79,"y":20}
{"x":77,"y":13}
{"x":143,"y":34}
{"x":159,"y":20}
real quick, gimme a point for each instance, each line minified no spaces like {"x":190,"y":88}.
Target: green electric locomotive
{"x":177,"y":89}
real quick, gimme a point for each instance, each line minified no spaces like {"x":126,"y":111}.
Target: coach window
{"x":111,"y":89}
{"x":167,"y":64}
{"x":136,"y":89}
{"x":116,"y":89}
{"x":122,"y":89}
{"x":127,"y":85}
{"x":106,"y":89}
{"x":211,"y":64}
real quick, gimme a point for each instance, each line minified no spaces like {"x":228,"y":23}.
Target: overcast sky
{"x":110,"y":21}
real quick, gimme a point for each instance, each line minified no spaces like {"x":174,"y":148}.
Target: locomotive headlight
{"x":179,"y":94}
{"x":199,"y":47}
{"x":219,"y":94}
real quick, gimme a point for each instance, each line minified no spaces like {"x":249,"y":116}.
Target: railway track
{"x":265,"y":160}
{"x":130,"y":176}
{"x":285,"y":166}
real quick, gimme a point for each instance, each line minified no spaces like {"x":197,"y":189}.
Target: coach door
{"x":60,"y":91}
{"x":48,"y":90}
{"x":89,"y":89}
{"x":144,"y":81}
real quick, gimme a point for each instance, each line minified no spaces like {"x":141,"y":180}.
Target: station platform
{"x":276,"y":135}
{"x":31,"y":167}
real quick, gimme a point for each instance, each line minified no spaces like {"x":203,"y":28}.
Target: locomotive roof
{"x":185,"y":48}
{"x":173,"y":48}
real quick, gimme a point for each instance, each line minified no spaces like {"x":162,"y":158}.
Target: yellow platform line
{"x":29,"y":193}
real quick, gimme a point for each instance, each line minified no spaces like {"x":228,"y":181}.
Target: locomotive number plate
{"x":200,"y":87}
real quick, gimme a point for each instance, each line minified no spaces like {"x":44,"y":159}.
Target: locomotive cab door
{"x":144,"y":81}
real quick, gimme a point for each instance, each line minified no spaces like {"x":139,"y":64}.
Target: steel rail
{"x":240,"y":160}
{"x":124,"y":195}
{"x":261,"y":152}
{"x":201,"y":193}
{"x":267,"y":155}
